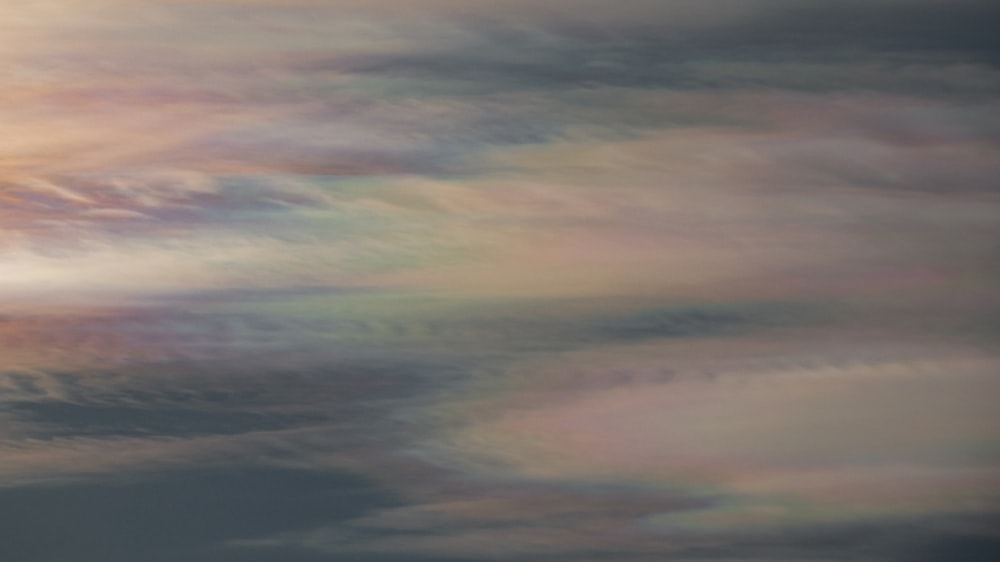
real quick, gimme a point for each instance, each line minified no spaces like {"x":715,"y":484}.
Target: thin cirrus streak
{"x":459,"y":281}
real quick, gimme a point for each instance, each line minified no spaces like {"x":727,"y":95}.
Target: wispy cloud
{"x":573,"y":280}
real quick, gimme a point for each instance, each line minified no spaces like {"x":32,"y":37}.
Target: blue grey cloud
{"x":187,"y":514}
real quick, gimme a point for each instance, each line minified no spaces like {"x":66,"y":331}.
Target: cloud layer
{"x":466,"y":280}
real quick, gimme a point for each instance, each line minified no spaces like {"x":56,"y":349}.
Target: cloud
{"x":53,"y":419}
{"x":188,"y":513}
{"x":379,"y":162}
{"x":698,"y":280}
{"x":899,"y":436}
{"x":707,"y":321}
{"x":969,"y":547}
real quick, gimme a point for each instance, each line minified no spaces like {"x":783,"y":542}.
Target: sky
{"x":499,"y":281}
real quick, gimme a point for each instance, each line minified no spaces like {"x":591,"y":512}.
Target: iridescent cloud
{"x":571,"y":280}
